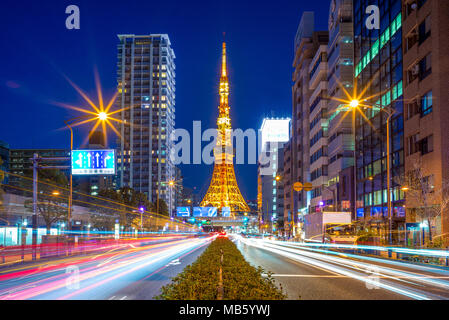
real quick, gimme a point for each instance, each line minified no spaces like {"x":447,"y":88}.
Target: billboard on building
{"x":275,"y":130}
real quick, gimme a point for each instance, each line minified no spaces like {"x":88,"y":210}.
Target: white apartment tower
{"x":146,"y":85}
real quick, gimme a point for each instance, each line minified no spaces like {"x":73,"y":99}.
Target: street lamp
{"x":141,"y":209}
{"x":171,"y":184}
{"x":355,"y":105}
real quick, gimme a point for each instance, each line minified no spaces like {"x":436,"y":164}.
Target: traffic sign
{"x":297,"y":186}
{"x":91,"y":162}
{"x":308,"y":186}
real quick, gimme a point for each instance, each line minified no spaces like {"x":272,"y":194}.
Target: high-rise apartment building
{"x":146,"y":85}
{"x":338,"y":193}
{"x":307,"y":42}
{"x":318,"y":126}
{"x":379,"y":68}
{"x":426,"y":113}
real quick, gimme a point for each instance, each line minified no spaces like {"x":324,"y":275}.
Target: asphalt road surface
{"x":131,"y":271}
{"x":315,"y":274}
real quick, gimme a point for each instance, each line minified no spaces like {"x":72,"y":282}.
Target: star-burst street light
{"x":100,"y":113}
{"x":356,"y":103}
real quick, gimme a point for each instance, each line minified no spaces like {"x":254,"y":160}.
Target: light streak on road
{"x":99,"y":274}
{"x":419,"y":252}
{"x":412,"y":284}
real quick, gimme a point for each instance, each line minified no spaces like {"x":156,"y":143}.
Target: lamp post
{"x":354,"y":104}
{"x":102,"y":116}
{"x":141,"y":209}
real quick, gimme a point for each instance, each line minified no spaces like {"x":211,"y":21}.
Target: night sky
{"x":37,"y":51}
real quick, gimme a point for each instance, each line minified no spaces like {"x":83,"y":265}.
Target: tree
{"x":127,"y":197}
{"x":50,"y":207}
{"x":163,"y":208}
{"x":425,"y":201}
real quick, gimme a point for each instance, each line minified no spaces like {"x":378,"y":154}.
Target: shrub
{"x":241,"y":281}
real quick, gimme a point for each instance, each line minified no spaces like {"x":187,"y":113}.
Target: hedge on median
{"x":241,"y":281}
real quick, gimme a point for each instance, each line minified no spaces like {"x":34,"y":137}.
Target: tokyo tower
{"x":223,"y":190}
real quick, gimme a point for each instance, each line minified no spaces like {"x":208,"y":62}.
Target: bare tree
{"x":424,"y":200}
{"x":51,"y":208}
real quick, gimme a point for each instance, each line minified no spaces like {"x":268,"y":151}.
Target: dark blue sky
{"x":37,"y":50}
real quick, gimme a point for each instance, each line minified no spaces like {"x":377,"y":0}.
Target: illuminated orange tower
{"x":223,"y":190}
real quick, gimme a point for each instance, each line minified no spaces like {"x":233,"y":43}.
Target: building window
{"x":412,"y":109}
{"x":426,"y":104}
{"x":424,"y":30}
{"x":427,"y":144}
{"x":425,"y":66}
{"x":413,"y":145}
{"x":412,"y":39}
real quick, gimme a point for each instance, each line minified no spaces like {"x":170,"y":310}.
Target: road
{"x":311,"y":273}
{"x":132,"y":271}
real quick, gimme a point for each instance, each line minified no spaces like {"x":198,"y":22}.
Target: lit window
{"x":426,"y":103}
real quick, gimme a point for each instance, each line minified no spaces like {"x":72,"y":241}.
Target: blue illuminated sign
{"x":360,"y":212}
{"x":91,"y":162}
{"x":226,"y":212}
{"x":204,"y":211}
{"x":183,"y":211}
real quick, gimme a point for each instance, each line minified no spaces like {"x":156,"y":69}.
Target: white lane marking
{"x":111,"y":298}
{"x":173,"y":263}
{"x":123,"y":298}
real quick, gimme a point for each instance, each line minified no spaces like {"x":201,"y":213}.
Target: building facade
{"x":146,"y":85}
{"x":4,"y":155}
{"x":426,"y":114}
{"x":307,"y":42}
{"x":379,"y":70}
{"x":338,"y":193}
{"x":318,"y":126}
{"x":270,"y":185}
{"x":20,"y":161}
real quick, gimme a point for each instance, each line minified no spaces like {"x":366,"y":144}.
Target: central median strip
{"x":238,"y":280}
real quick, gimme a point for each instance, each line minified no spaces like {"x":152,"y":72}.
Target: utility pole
{"x":35,"y":177}
{"x":36,"y":159}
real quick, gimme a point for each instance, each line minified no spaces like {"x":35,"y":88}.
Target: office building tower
{"x":270,"y":184}
{"x":379,"y":69}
